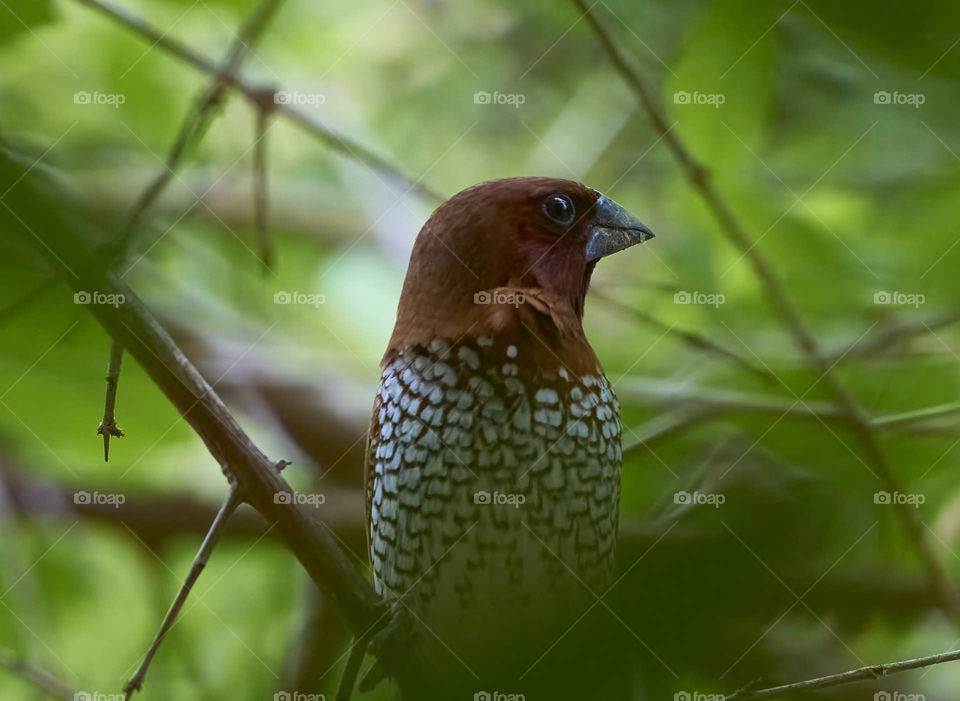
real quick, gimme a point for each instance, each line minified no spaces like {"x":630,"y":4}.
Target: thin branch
{"x":692,"y":404}
{"x":233,"y":500}
{"x":664,"y":426}
{"x":39,"y":678}
{"x":694,"y":340}
{"x":845,"y":402}
{"x":108,"y":427}
{"x":893,"y":333}
{"x":918,"y":418}
{"x":259,"y":94}
{"x":697,"y":396}
{"x":667,"y":425}
{"x":870,"y":672}
{"x":198,"y":118}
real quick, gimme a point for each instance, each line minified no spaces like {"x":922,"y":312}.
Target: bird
{"x":493,"y":456}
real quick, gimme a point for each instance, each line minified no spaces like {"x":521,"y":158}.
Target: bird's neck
{"x":550,"y":334}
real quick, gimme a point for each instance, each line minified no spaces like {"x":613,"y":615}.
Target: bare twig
{"x":233,"y":500}
{"x":897,"y":331}
{"x":731,"y":226}
{"x":198,"y":118}
{"x":259,"y":94}
{"x":692,"y":339}
{"x":108,"y":427}
{"x":870,"y":672}
{"x":664,"y":426}
{"x":692,"y":404}
{"x":919,"y":418}
{"x":39,"y":678}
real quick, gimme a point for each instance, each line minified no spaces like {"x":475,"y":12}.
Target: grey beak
{"x":613,"y":229}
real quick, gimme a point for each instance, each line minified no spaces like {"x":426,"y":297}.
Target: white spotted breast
{"x":489,"y":481}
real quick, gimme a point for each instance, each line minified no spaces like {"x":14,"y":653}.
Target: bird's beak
{"x":613,"y":229}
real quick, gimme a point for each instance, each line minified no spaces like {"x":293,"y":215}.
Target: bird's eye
{"x":559,"y":208}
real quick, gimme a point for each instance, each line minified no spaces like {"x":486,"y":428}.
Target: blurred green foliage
{"x":847,"y":195}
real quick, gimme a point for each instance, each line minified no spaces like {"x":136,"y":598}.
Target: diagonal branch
{"x":693,"y":413}
{"x":194,"y":123}
{"x":895,"y":333}
{"x":869,"y":672}
{"x":694,"y":340}
{"x":132,"y":324}
{"x":258,"y":94}
{"x":234,"y":499}
{"x":730,"y":225}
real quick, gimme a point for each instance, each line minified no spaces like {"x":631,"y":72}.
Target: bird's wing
{"x":373,"y":431}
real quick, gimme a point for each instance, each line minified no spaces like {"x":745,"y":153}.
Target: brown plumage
{"x":493,"y":468}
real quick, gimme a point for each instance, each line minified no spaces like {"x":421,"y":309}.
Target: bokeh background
{"x":756,"y":536}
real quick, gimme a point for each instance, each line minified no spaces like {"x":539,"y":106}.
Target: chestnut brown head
{"x":507,"y":255}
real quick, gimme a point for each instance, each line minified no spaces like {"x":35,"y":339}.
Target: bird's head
{"x":510,"y":257}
